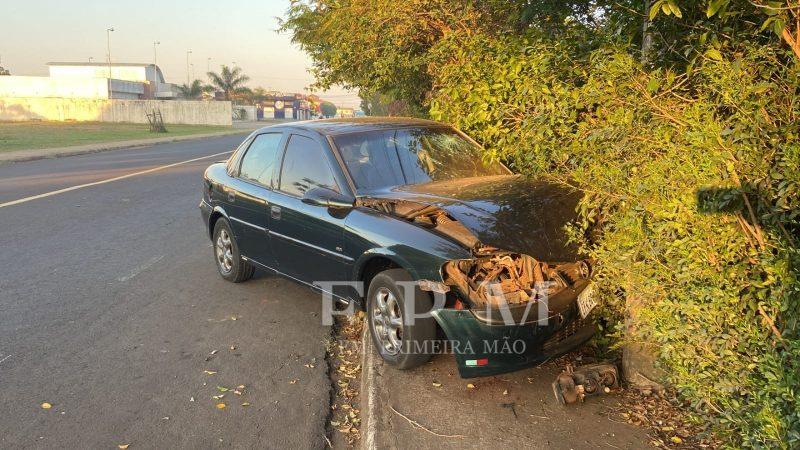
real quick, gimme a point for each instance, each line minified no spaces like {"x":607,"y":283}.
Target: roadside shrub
{"x":693,"y":180}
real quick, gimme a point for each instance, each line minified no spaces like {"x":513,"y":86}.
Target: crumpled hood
{"x":509,"y":212}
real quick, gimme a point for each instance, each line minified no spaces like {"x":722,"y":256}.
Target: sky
{"x":35,"y":32}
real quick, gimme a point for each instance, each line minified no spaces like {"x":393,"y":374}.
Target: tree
{"x":677,"y":119}
{"x":328,"y":109}
{"x":194,"y":90}
{"x":230,"y":81}
{"x":4,"y":71}
{"x":259,"y":94}
{"x":348,"y":39}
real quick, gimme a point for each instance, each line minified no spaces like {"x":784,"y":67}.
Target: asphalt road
{"x":111,"y":308}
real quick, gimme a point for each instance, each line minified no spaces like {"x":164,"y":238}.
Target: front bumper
{"x":482,"y":350}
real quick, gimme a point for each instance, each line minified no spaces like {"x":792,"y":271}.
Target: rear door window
{"x":305,"y":166}
{"x":259,"y":161}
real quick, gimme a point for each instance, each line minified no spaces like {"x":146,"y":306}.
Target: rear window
{"x":259,"y":161}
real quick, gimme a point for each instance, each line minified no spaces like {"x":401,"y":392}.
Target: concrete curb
{"x":56,"y":152}
{"x":368,"y":393}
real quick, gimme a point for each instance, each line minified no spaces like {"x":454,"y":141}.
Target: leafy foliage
{"x":230,"y":81}
{"x":194,"y":90}
{"x":689,"y":161}
{"x":697,"y":192}
{"x":328,"y":109}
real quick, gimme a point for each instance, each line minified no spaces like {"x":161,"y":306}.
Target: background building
{"x":148,"y":75}
{"x":278,"y":105}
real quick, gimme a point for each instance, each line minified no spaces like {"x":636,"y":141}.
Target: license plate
{"x":586,"y":301}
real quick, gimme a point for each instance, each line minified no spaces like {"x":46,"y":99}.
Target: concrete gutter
{"x":56,"y":152}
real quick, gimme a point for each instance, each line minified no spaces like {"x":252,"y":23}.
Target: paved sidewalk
{"x":55,"y":152}
{"x":515,"y":410}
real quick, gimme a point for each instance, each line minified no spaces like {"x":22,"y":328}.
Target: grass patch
{"x":36,"y":135}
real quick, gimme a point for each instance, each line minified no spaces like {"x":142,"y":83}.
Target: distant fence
{"x":133,"y":111}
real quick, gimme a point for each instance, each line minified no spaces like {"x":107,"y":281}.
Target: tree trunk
{"x":647,"y":38}
{"x":638,"y":359}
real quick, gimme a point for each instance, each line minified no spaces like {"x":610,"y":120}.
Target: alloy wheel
{"x":387,"y":320}
{"x":224,"y":250}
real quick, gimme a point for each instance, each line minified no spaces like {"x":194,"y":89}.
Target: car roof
{"x":332,"y":127}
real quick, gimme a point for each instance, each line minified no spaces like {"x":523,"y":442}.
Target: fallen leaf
{"x":222,"y":389}
{"x":470,"y":386}
{"x":218,"y":397}
{"x":191,"y":399}
{"x":214,"y":352}
{"x":676,"y":440}
{"x":245,"y":404}
{"x":294,"y":381}
{"x":209,"y":372}
{"x":234,"y":318}
{"x":46,"y":405}
{"x":123,"y":446}
{"x":241,"y":386}
{"x":220,"y":405}
{"x":505,"y":392}
{"x":437,"y":384}
{"x":237,"y":392}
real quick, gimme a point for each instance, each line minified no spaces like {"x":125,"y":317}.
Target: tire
{"x":414,"y":339}
{"x":229,"y":261}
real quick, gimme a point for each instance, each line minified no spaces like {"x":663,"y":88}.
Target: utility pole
{"x":110,"y":91}
{"x":188,"y":82}
{"x":155,"y":52}
{"x":108,"y":46}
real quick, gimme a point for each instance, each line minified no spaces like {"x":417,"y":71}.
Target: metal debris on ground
{"x":573,"y":385}
{"x":156,"y":121}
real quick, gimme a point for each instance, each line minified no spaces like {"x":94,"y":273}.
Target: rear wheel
{"x":399,"y":342}
{"x":226,"y":252}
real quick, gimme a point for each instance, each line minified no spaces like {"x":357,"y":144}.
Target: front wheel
{"x":229,"y":261}
{"x":399,"y":343}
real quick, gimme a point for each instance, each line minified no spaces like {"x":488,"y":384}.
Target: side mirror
{"x":320,"y":196}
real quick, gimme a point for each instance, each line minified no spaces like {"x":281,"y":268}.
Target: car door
{"x":307,"y":239}
{"x":248,"y":197}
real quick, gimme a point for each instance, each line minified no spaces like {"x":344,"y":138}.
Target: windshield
{"x":386,"y":158}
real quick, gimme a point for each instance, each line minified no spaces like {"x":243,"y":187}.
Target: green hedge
{"x":694,"y":183}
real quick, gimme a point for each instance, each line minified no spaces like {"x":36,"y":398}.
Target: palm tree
{"x":194,"y":90}
{"x":230,"y":82}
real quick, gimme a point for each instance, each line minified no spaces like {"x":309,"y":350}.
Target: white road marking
{"x":1,"y":360}
{"x":109,"y":180}
{"x":147,"y":264}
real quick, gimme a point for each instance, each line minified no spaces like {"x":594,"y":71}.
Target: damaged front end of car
{"x":509,"y":311}
{"x":503,"y":310}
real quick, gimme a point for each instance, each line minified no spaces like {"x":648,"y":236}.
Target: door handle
{"x":275,"y":212}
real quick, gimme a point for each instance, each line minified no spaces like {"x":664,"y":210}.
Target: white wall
{"x":133,"y":111}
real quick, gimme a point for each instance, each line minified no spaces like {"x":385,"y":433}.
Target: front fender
{"x":418,"y":250}
{"x":361,"y":262}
